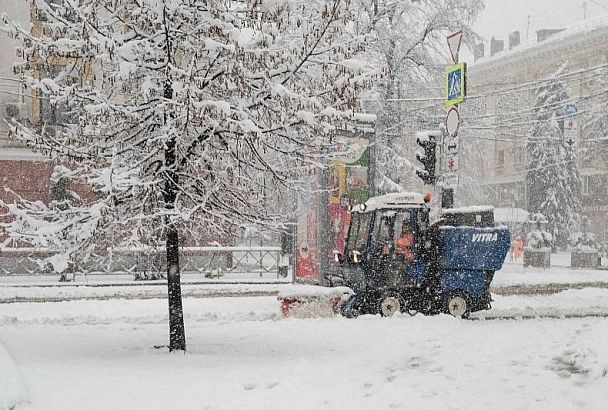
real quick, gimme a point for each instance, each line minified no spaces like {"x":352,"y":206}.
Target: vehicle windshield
{"x":358,"y":232}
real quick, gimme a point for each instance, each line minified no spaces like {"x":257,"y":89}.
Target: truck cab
{"x":371,"y":254}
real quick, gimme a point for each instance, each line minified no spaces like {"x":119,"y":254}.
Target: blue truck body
{"x":472,"y":248}
{"x":467,"y":256}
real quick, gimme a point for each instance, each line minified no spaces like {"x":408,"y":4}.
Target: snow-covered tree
{"x":181,"y":113}
{"x":410,"y":43}
{"x":552,"y":177}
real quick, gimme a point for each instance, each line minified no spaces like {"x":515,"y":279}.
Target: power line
{"x":520,"y":86}
{"x":599,"y":4}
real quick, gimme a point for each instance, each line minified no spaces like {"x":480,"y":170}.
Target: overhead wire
{"x":507,"y":116}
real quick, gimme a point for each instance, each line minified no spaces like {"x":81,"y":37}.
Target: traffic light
{"x":427,"y":140}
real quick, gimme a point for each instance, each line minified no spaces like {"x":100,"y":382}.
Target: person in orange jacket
{"x":405,"y":242}
{"x":518,"y":247}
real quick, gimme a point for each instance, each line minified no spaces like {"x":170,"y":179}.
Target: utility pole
{"x":447,"y":194}
{"x":584,"y":10}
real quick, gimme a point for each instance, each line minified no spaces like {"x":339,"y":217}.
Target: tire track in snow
{"x":544,"y":289}
{"x":540,"y":316}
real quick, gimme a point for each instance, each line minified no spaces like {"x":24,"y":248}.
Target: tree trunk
{"x":177,"y":334}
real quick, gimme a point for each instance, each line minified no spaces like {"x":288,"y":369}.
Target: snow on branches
{"x":188,"y":113}
{"x":552,"y":175}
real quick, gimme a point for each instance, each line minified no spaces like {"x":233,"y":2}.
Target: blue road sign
{"x":455,"y":84}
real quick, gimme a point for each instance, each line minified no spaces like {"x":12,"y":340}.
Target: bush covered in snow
{"x":583,"y":240}
{"x":538,"y":238}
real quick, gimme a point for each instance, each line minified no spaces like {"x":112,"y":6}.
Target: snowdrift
{"x":12,"y":390}
{"x":312,"y":301}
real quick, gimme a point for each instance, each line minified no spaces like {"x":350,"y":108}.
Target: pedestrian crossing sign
{"x":455,"y":84}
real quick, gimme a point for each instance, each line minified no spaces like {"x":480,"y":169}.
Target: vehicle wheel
{"x":389,"y":304}
{"x":458,"y":305}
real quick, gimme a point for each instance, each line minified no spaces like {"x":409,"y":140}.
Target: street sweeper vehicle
{"x":395,"y":260}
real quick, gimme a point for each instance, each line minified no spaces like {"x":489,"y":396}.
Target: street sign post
{"x":571,"y":131}
{"x":455,"y":84}
{"x":455,"y":91}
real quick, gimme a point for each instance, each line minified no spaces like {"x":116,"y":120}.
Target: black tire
{"x":390,"y":303}
{"x":458,"y":304}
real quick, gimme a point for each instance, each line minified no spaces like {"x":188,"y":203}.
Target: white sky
{"x":501,"y":17}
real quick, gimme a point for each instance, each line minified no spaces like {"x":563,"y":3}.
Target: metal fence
{"x":227,"y":262}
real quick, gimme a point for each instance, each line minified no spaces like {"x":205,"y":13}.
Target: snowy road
{"x":99,"y":355}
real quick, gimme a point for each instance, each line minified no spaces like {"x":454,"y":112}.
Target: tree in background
{"x":186,"y":116}
{"x":552,"y":177}
{"x":61,"y":193}
{"x":410,"y":44}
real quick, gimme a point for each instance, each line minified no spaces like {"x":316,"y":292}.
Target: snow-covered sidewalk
{"x":511,"y":275}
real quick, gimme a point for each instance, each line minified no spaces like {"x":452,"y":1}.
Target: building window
{"x":520,"y":155}
{"x":593,"y":184}
{"x":500,"y":162}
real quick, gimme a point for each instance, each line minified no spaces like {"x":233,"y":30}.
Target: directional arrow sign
{"x":452,"y":145}
{"x":454,"y":42}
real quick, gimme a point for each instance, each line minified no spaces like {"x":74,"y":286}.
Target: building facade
{"x":502,"y":87}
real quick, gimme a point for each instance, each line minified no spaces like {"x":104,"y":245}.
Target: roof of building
{"x":599,"y":24}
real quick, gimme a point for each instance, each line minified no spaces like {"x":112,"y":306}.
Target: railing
{"x":236,"y":262}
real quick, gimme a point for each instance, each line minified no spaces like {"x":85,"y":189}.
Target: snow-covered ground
{"x":513,"y":273}
{"x":95,"y":349}
{"x":99,"y":354}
